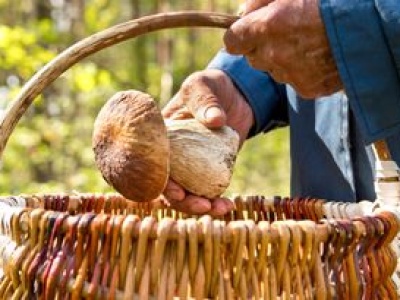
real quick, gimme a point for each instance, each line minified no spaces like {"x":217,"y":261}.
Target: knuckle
{"x":205,"y":78}
{"x":198,"y":91}
{"x":229,"y":45}
{"x":191,"y":86}
{"x":200,"y":102}
{"x":206,"y":82}
{"x":232,"y":40}
{"x":193,"y":79}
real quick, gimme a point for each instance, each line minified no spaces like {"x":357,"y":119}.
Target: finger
{"x":182,"y":114}
{"x":198,"y":92}
{"x":241,"y":37}
{"x":192,"y":205}
{"x":252,"y":5}
{"x":172,"y":106}
{"x":330,"y":84}
{"x":174,"y":192}
{"x":176,"y":110}
{"x":220,"y":207}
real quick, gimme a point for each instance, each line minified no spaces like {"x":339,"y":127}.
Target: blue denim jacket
{"x":330,"y":137}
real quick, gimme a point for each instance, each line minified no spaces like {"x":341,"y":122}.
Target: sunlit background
{"x":50,"y":150}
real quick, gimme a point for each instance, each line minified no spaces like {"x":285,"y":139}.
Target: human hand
{"x":210,"y":97}
{"x":287,"y":39}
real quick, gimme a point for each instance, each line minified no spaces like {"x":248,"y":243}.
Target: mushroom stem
{"x":93,"y":44}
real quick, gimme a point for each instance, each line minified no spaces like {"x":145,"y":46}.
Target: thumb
{"x":200,"y":94}
{"x":212,"y":116}
{"x":206,"y":109}
{"x":252,"y":5}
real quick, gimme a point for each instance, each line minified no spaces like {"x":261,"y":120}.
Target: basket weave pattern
{"x":105,"y":247}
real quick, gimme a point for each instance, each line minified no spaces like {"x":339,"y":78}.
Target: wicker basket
{"x":105,"y":247}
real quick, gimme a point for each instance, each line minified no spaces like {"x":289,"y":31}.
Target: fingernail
{"x":212,"y":113}
{"x":214,"y":116}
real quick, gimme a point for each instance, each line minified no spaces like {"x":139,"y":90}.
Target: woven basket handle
{"x":105,"y":39}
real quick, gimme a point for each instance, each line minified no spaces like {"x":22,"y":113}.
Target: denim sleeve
{"x":364,"y":37}
{"x":266,"y":97}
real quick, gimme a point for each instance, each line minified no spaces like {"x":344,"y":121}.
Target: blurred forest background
{"x":50,"y":150}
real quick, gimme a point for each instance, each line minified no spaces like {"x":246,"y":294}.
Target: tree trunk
{"x":77,"y":19}
{"x":211,"y":5}
{"x":139,"y":65}
{"x":192,"y":37}
{"x":165,"y":55}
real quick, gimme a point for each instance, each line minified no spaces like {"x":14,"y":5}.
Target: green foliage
{"x":50,"y":151}
{"x":20,"y":52}
{"x":262,"y":167}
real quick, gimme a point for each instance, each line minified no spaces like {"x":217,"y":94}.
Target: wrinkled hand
{"x":211,"y":98}
{"x":287,"y":39}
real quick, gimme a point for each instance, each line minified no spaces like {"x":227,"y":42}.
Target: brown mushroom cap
{"x":131,"y":145}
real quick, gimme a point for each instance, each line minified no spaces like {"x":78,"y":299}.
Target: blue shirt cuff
{"x":267,"y":98}
{"x":365,"y":63}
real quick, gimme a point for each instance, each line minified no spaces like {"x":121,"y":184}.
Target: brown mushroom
{"x":131,"y":145}
{"x":136,"y":151}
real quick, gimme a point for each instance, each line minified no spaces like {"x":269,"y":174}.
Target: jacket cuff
{"x":266,"y":98}
{"x":365,"y":64}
